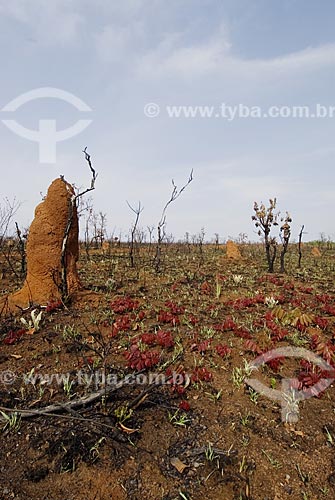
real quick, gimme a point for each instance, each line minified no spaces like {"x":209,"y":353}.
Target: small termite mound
{"x":232,"y":251}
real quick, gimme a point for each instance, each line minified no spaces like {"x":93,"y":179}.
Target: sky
{"x":119,"y":56}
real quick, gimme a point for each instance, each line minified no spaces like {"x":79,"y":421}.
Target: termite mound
{"x":52,"y":251}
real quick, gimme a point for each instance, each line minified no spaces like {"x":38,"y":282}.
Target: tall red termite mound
{"x":44,"y":250}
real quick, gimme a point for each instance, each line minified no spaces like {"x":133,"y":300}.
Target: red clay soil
{"x":44,"y":250}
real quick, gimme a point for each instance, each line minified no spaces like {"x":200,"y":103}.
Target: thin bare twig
{"x":72,"y":204}
{"x":94,"y":174}
{"x":161,"y":224}
{"x":137,"y":211}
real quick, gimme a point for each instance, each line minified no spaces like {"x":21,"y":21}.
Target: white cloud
{"x":111,"y":43}
{"x":115,"y":43}
{"x":173,"y":56}
{"x":216,"y":57}
{"x":309,"y":59}
{"x":124,"y":8}
{"x":17,"y":9}
{"x":50,"y":23}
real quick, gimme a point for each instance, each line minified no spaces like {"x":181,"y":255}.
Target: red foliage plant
{"x":306,"y":289}
{"x":274,"y":363}
{"x":203,"y":346}
{"x":193,"y":320}
{"x":13,"y":336}
{"x":201,"y":374}
{"x":242,"y":332}
{"x":184,"y":405}
{"x":324,"y":298}
{"x":148,"y":338}
{"x":223,"y":350}
{"x":177,"y":384}
{"x":174,"y":308}
{"x":168,"y":317}
{"x":321,"y":322}
{"x":165,"y":338}
{"x":271,"y":279}
{"x":140,"y":316}
{"x":325,"y":349}
{"x":277,"y":333}
{"x":227,"y":325}
{"x":329,"y":309}
{"x":53,"y":305}
{"x":162,"y":338}
{"x":313,"y":379}
{"x":124,"y":304}
{"x":242,"y":303}
{"x":251,"y":346}
{"x":206,"y":288}
{"x":140,"y":360}
{"x":121,"y":325}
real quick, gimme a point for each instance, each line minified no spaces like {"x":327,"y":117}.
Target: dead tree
{"x":72,"y":204}
{"x":285,"y":234}
{"x":7,"y":211}
{"x":200,"y":241}
{"x":137,"y":211}
{"x":264,"y":218}
{"x":162,"y":222}
{"x":150,"y":232}
{"x":22,"y":250}
{"x":300,"y":245}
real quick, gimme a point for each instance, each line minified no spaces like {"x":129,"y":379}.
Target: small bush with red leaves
{"x":228,"y":325}
{"x":251,"y":346}
{"x":161,"y":338}
{"x":325,"y":349}
{"x":313,"y":379}
{"x":276,"y":363}
{"x":140,"y":360}
{"x":121,"y":325}
{"x":202,"y":347}
{"x":13,"y":336}
{"x":242,"y":332}
{"x":201,"y":374}
{"x":329,"y":309}
{"x":149,"y":338}
{"x":165,"y":338}
{"x":171,"y":316}
{"x":223,"y":350}
{"x":124,"y":304}
{"x":206,"y":288}
{"x":193,"y":320}
{"x":174,"y":308}
{"x":53,"y":305}
{"x":168,"y":317}
{"x":321,"y":322}
{"x":177,"y":380}
{"x":184,"y":405}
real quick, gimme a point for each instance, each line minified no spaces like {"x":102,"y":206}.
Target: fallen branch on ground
{"x":76,"y":403}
